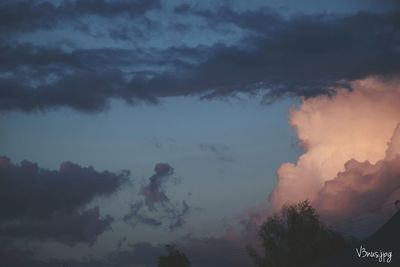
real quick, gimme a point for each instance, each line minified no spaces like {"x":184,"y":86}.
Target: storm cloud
{"x":163,"y":67}
{"x":302,"y":55}
{"x":17,"y":16}
{"x":67,"y":228}
{"x":30,"y":191}
{"x":42,"y":204}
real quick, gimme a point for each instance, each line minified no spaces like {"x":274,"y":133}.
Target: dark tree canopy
{"x":175,"y":258}
{"x":296,"y":237}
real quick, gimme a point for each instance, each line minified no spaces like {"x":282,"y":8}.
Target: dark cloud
{"x":38,"y":203}
{"x":302,"y":56}
{"x":16,"y":16}
{"x":14,"y":57}
{"x":17,"y":257}
{"x":39,"y":78}
{"x":67,"y":228}
{"x":180,"y":27}
{"x":260,"y":20}
{"x":14,"y":256}
{"x":156,"y":209}
{"x":122,"y":34}
{"x":18,"y":56}
{"x":153,"y":192}
{"x":28,"y":191}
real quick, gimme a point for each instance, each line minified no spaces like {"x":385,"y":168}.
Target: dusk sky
{"x":128,"y":125}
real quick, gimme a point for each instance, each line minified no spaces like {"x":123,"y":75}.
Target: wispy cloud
{"x":156,"y":209}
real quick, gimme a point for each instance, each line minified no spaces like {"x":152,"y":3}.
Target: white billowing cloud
{"x":351,"y":147}
{"x":363,"y":187}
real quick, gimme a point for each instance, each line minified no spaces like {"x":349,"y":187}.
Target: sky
{"x":128,"y":125}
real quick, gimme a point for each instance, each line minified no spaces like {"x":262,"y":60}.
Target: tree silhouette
{"x":175,"y":258}
{"x":296,"y":237}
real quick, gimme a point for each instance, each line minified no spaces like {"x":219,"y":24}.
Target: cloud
{"x":134,"y":217}
{"x":350,"y":165}
{"x":13,"y":256}
{"x":172,"y":214}
{"x":302,"y":56}
{"x":30,"y":191}
{"x":42,"y":204}
{"x":160,"y":209}
{"x":305,"y":55}
{"x":153,"y":192}
{"x":67,"y":228}
{"x":255,"y":20}
{"x":40,"y":78}
{"x":178,"y":215}
{"x":363,"y":187}
{"x":17,"y":16}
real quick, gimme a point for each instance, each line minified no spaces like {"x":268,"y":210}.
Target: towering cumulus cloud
{"x":351,"y":142}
